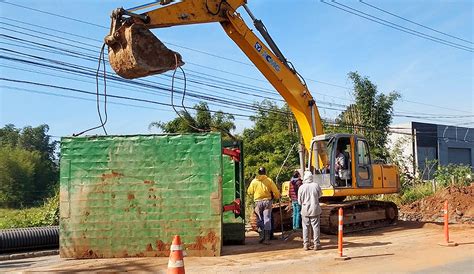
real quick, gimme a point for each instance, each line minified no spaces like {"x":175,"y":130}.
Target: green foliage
{"x":406,"y":196}
{"x":402,"y":161}
{"x":202,"y":121}
{"x":17,"y":175}
{"x":413,"y":187}
{"x":416,"y":192}
{"x":371,"y":114}
{"x":28,"y":171}
{"x":453,"y":175}
{"x":269,"y":141}
{"x":416,"y":189}
{"x":29,"y":138}
{"x":45,"y":215}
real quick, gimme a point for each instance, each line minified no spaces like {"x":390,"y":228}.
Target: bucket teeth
{"x":134,"y":51}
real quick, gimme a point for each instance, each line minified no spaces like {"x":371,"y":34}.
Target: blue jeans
{"x":263,"y":209}
{"x":296,"y":215}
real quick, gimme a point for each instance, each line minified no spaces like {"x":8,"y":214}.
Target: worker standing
{"x":295,"y":184}
{"x":263,"y":190}
{"x":308,"y":197}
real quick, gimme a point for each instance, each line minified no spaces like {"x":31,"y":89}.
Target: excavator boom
{"x":135,"y":52}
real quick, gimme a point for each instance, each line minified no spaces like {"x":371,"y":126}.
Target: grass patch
{"x":406,"y":196}
{"x":416,"y":193}
{"x":45,"y":215}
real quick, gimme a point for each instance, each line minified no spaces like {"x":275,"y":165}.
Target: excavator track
{"x":358,"y":215}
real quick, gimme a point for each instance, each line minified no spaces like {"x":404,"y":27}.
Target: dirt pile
{"x":429,"y":209}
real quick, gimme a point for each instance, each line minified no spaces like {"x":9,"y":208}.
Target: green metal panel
{"x":228,"y":188}
{"x":124,"y":196}
{"x":233,"y":227}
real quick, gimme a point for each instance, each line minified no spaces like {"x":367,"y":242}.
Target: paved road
{"x":464,"y":266}
{"x":406,"y":248}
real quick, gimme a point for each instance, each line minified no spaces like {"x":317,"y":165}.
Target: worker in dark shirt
{"x":295,"y":184}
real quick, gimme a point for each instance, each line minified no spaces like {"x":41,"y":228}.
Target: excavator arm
{"x":265,"y":56}
{"x":135,"y":52}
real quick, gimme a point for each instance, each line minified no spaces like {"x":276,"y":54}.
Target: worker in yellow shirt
{"x":263,"y":190}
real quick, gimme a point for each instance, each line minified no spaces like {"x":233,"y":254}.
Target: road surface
{"x":408,"y":247}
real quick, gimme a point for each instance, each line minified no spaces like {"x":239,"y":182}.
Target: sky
{"x":323,"y":42}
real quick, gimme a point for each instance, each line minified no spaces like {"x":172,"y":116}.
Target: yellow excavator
{"x":341,"y":163}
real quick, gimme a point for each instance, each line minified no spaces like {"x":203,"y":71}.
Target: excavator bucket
{"x":134,"y":51}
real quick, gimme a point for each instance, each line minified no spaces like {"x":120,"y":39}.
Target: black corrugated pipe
{"x":21,"y":239}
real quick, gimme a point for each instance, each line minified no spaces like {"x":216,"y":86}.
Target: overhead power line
{"x":73,"y":19}
{"x":176,"y":45}
{"x":256,"y":91}
{"x":247,"y":105}
{"x":226,"y":81}
{"x":240,"y":104}
{"x":79,"y":69}
{"x":221,"y":86}
{"x":413,"y":22}
{"x":100,"y":26}
{"x":333,"y":124}
{"x":243,"y":118}
{"x":53,"y":14}
{"x":398,"y":27}
{"x":108,"y":95}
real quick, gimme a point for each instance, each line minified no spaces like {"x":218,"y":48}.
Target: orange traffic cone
{"x":176,"y":263}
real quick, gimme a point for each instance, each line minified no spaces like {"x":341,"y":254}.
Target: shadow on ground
{"x":15,"y":263}
{"x":124,"y":265}
{"x":294,"y":239}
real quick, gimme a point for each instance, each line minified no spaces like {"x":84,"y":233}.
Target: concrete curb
{"x":24,"y":255}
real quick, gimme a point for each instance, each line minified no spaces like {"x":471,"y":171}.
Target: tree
{"x":29,"y":138}
{"x":269,"y":141}
{"x":203,"y":121}
{"x":28,"y":169}
{"x":18,"y":168}
{"x":371,"y":114}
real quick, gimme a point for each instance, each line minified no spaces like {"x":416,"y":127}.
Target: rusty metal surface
{"x":127,"y":196}
{"x":136,"y":52}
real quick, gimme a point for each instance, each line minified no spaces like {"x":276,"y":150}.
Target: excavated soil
{"x":430,"y":209}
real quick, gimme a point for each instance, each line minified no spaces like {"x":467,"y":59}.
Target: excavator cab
{"x":347,"y":169}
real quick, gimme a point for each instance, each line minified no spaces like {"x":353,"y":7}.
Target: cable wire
{"x":185,"y":119}
{"x":413,"y":22}
{"x":217,"y":56}
{"x":396,"y":26}
{"x":102,"y":121}
{"x":247,"y":105}
{"x":368,"y":128}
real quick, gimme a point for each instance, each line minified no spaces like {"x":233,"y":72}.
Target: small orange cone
{"x":176,"y":263}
